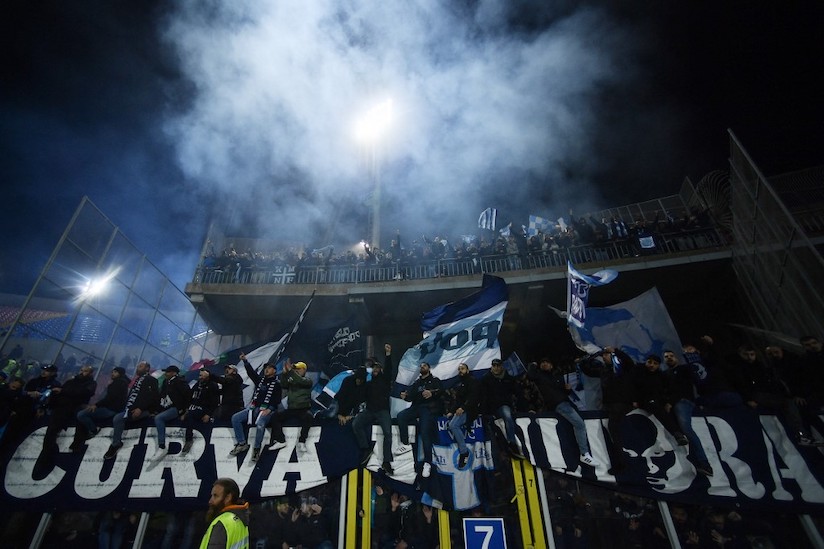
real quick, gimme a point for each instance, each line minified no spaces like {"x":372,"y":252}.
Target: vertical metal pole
{"x":669,"y":526}
{"x":550,"y":532}
{"x":40,"y":533}
{"x":812,"y":532}
{"x":142,"y":526}
{"x":344,"y":480}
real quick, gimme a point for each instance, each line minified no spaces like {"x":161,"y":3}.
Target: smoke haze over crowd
{"x":169,"y":116}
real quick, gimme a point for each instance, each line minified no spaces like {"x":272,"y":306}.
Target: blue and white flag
{"x":578,"y":286}
{"x":506,"y":230}
{"x":488,"y":218}
{"x":537,"y":224}
{"x":514,"y":366}
{"x":463,"y":331}
{"x":640,"y":327}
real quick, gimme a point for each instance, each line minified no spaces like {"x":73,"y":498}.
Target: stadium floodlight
{"x":369,"y":130}
{"x":96,"y":286}
{"x":374,"y":123}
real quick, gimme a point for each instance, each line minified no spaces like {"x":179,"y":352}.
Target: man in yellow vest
{"x":228,"y":518}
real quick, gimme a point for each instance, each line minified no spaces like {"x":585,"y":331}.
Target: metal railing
{"x":607,"y":252}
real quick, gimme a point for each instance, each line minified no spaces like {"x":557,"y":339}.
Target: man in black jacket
{"x":112,"y":402}
{"x":39,"y":388}
{"x":142,"y":400}
{"x":617,"y":372}
{"x":231,"y":391}
{"x":498,"y":399}
{"x":64,"y":403}
{"x":376,"y":411}
{"x":175,"y":397}
{"x":203,"y":403}
{"x":462,"y":410}
{"x":556,"y":391}
{"x":261,"y":410}
{"x":681,"y":400}
{"x":425,"y":396}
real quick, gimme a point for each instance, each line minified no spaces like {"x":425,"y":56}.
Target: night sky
{"x":168,"y":115}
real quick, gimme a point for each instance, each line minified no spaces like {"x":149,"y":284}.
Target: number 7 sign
{"x":484,"y":533}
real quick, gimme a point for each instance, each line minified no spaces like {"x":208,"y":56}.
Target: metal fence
{"x":667,"y":243}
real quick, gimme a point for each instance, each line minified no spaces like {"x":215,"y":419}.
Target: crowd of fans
{"x":640,"y":236}
{"x":776,"y":380}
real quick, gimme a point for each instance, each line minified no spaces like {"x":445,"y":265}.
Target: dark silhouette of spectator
{"x":681,"y":382}
{"x":231,"y":392}
{"x":498,"y":390}
{"x":462,"y":402}
{"x":556,"y":391}
{"x":617,"y":372}
{"x":204,"y":400}
{"x":376,"y":410}
{"x":112,"y":402}
{"x":425,"y":394}
{"x":64,"y":404}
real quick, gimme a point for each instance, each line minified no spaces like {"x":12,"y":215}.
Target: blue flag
{"x":640,"y":326}
{"x":487,"y":219}
{"x":578,"y":286}
{"x":463,"y":331}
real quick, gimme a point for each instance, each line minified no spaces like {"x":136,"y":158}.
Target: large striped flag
{"x":488,"y":218}
{"x":462,"y":331}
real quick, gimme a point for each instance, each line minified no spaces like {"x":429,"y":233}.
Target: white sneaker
{"x":402,"y":449}
{"x":426,"y":471}
{"x":302,"y":447}
{"x":278,"y":445}
{"x":587,"y":459}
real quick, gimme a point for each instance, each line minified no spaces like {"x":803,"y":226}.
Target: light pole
{"x":369,"y":130}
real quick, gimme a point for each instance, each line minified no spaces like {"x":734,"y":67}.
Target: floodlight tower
{"x":370,"y":129}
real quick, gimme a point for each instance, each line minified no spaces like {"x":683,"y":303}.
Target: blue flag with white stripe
{"x":487,"y":219}
{"x":462,"y":331}
{"x":578,"y":285}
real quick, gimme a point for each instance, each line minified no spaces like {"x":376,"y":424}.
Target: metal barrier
{"x":667,"y":243}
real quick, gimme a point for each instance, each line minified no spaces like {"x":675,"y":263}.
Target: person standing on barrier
{"x":556,"y":391}
{"x":425,"y":396}
{"x":377,"y":411}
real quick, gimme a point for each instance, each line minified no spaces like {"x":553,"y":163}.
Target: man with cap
{"x":298,"y":389}
{"x":39,"y":388}
{"x":231,"y":392}
{"x":142,"y":400}
{"x":175,"y":397}
{"x":377,"y":411}
{"x":203,"y":403}
{"x":261,"y":409}
{"x":112,"y":401}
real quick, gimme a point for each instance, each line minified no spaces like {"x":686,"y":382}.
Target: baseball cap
{"x":300,"y":365}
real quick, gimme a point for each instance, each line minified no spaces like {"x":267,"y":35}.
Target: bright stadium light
{"x":374,"y":123}
{"x":96,"y":286}
{"x":370,"y":129}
